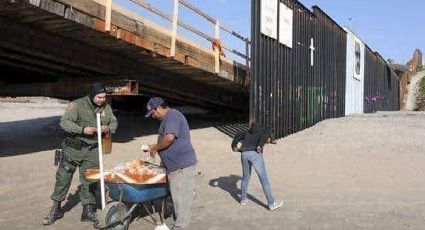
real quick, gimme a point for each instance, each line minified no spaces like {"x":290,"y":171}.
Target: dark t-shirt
{"x":180,"y":154}
{"x":252,"y":139}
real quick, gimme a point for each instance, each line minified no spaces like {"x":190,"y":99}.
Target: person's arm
{"x":162,"y":144}
{"x":265,"y":134}
{"x":68,"y":120}
{"x":170,"y":133}
{"x":238,"y":137}
{"x":113,"y":123}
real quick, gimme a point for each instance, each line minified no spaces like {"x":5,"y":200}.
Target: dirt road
{"x":364,"y":172}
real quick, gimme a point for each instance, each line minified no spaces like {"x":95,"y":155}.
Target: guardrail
{"x":218,"y":47}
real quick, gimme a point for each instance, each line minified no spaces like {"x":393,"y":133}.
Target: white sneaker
{"x":162,"y":227}
{"x":276,"y":205}
{"x":243,"y":202}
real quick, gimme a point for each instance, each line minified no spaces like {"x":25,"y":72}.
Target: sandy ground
{"x":361,"y":172}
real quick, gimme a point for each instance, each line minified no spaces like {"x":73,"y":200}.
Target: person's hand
{"x":145,"y":148}
{"x":235,"y":149}
{"x":89,"y":131}
{"x":104,"y":129}
{"x":152,"y":150}
{"x":259,"y":149}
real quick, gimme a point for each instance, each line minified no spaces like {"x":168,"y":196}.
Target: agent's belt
{"x":78,"y":144}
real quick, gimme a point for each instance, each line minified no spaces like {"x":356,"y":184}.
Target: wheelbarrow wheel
{"x":112,"y":213}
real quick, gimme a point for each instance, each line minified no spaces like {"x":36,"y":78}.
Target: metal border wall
{"x":286,"y":92}
{"x":381,"y":85}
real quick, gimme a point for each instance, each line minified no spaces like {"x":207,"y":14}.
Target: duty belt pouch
{"x":74,"y":143}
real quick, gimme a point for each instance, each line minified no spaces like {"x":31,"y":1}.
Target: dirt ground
{"x":361,"y":172}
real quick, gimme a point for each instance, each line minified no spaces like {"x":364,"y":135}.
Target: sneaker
{"x":243,"y":202}
{"x":275,"y":205}
{"x":162,"y":227}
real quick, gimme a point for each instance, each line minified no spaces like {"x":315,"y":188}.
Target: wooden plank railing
{"x":173,"y":18}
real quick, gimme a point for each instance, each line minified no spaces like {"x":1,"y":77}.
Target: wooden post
{"x":174,"y":28}
{"x":108,"y":8}
{"x":217,"y":50}
{"x":217,"y":30}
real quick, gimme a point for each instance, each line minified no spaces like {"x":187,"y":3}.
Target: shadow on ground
{"x":72,"y":200}
{"x":229,"y":184}
{"x":41,"y":134}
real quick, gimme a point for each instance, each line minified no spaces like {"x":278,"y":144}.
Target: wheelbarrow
{"x":117,"y":214}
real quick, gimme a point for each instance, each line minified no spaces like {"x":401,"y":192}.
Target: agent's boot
{"x":54,"y":214}
{"x":88,"y":214}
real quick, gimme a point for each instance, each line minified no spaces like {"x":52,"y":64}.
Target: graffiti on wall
{"x":376,"y":98}
{"x":316,"y":99}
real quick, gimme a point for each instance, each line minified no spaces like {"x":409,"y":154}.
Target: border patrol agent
{"x":80,"y":150}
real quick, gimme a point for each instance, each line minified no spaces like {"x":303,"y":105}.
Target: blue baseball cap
{"x":152,"y":104}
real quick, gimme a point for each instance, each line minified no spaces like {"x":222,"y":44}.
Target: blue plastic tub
{"x":138,"y":193}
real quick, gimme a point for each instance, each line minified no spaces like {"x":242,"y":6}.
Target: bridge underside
{"x":48,"y":48}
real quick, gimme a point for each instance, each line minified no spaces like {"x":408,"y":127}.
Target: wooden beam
{"x":52,"y":7}
{"x":30,"y":68}
{"x":174,"y":28}
{"x":108,"y":11}
{"x":40,"y":62}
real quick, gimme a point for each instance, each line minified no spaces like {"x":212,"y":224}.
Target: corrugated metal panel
{"x":287,"y":93}
{"x":381,"y":85}
{"x":355,"y":74}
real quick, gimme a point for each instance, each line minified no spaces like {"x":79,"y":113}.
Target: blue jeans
{"x":249,"y":159}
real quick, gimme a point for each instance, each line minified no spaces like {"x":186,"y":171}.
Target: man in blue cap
{"x":178,"y":156}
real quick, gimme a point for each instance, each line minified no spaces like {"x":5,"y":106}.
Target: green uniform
{"x":79,"y":150}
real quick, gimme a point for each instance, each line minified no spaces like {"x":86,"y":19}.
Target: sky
{"x":394,"y":28}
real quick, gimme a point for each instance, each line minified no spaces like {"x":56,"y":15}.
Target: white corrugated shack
{"x":354,"y":94}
